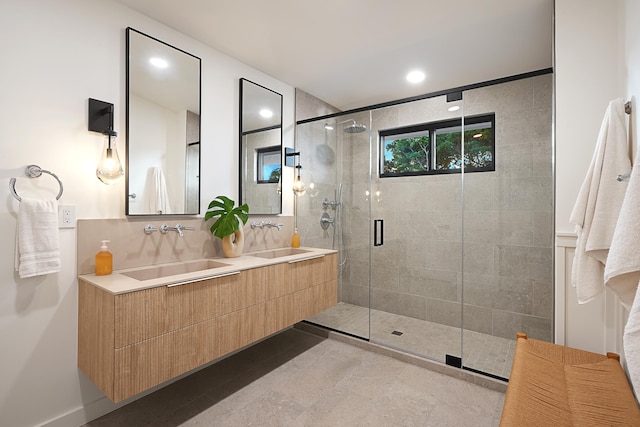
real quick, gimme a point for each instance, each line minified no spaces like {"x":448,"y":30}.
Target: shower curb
{"x":441,"y":368}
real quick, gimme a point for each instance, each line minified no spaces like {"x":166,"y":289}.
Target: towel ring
{"x":34,"y":171}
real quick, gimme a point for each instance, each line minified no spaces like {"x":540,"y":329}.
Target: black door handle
{"x":378,"y":237}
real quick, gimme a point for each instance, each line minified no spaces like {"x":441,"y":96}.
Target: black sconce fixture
{"x":109,"y":169}
{"x":298,"y":185}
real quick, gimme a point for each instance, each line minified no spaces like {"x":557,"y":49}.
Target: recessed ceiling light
{"x":454,"y":108}
{"x":415,"y":76}
{"x":266,"y":113}
{"x":477,"y":135}
{"x":158,"y":62}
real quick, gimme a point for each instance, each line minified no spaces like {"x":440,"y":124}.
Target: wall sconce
{"x":298,"y":185}
{"x":109,"y":169}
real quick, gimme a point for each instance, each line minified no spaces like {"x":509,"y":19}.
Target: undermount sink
{"x":158,"y":271}
{"x":277,"y":253}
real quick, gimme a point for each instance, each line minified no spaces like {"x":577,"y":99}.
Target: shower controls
{"x":326,"y":203}
{"x":326,"y":220}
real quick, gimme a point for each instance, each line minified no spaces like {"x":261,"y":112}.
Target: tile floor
{"x":482,"y":352}
{"x":296,"y":378}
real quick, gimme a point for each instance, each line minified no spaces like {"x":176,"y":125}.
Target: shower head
{"x":354,"y":127}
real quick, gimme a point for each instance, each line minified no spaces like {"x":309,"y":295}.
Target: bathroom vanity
{"x":138,"y":328}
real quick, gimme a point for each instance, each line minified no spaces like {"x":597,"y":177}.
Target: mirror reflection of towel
{"x":37,"y":243}
{"x":157,"y":193}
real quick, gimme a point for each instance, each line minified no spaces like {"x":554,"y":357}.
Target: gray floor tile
{"x":298,"y":379}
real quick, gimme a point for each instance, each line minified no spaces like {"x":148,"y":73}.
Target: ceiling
{"x":355,"y":53}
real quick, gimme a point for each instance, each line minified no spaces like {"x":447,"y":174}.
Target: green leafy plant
{"x":229,"y":217}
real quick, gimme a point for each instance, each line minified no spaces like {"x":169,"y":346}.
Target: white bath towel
{"x":596,"y":210}
{"x":37,"y":243}
{"x":622,"y":271}
{"x":158,"y":195}
{"x":631,"y":344}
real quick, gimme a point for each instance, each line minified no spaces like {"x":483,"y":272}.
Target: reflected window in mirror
{"x":163,"y":128}
{"x":260,"y":148}
{"x":269,"y":166}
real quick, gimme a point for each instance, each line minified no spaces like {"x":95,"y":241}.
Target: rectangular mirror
{"x":163,"y":128}
{"x":260,"y":148}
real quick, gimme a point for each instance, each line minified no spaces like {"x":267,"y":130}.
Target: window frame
{"x":431,"y":128}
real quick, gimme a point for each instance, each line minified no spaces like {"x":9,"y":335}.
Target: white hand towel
{"x":158,"y":195}
{"x":622,"y":272}
{"x":596,"y":210}
{"x":37,"y":243}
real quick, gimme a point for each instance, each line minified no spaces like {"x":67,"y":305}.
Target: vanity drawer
{"x":306,"y":273}
{"x":148,"y":313}
{"x":144,"y":365}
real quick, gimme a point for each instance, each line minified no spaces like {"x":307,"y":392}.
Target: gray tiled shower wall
{"x":482,"y":243}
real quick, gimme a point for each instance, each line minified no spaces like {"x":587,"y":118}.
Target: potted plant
{"x":227,"y":227}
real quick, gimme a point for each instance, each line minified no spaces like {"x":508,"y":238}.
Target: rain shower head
{"x":354,"y":127}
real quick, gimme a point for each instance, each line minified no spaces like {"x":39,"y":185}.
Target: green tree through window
{"x":407,"y":155}
{"x":435,"y":147}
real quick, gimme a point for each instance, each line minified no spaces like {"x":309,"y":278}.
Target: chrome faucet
{"x":263,"y":224}
{"x":273,"y":225}
{"x":179,"y":228}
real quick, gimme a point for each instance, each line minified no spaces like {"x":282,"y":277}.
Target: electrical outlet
{"x":67,"y":216}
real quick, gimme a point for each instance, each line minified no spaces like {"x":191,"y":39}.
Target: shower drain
{"x":398,"y":333}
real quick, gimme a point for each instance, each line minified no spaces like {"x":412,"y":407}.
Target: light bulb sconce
{"x":109,"y":169}
{"x":298,"y":185}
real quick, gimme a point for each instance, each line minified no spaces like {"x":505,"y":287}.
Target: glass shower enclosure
{"x":441,"y":211}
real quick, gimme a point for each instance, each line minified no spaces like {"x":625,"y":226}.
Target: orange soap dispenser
{"x":104,"y":260}
{"x":295,"y":239}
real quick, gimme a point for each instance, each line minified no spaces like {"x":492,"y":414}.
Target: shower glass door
{"x":416,"y":260}
{"x":335,"y":211}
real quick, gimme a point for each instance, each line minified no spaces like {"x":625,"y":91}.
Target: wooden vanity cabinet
{"x":130,"y":342}
{"x":300,"y":289}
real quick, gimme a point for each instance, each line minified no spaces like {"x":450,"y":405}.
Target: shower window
{"x":434,"y":148}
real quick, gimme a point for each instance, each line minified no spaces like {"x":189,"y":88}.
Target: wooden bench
{"x":554,"y":385}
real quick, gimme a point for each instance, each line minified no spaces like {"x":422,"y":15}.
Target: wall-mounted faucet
{"x":179,"y":228}
{"x":268,"y":224}
{"x":274,"y":225}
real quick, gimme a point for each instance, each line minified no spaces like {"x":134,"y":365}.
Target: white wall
{"x":632,"y":65}
{"x":56,"y":55}
{"x":597,"y":60}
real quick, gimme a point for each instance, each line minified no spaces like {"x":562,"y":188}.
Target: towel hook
{"x":34,"y":171}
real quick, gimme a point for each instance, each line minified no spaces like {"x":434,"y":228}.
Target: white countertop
{"x":118,"y":283}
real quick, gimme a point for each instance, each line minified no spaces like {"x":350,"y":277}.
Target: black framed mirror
{"x":163,"y":128}
{"x":260,"y":148}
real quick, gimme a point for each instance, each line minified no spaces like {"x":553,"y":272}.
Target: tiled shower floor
{"x":482,"y":352}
